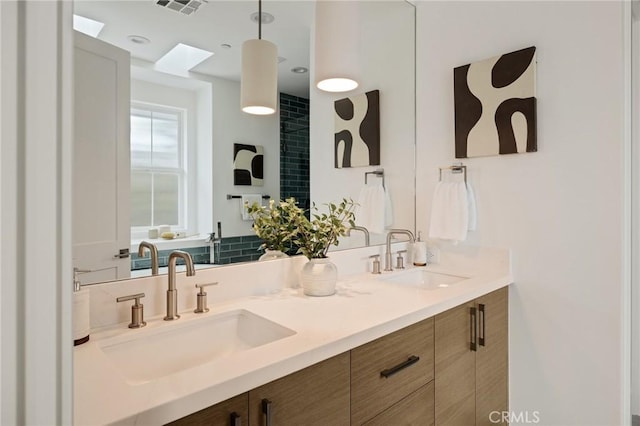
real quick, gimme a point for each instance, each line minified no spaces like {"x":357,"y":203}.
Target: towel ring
{"x":377,"y":173}
{"x":455,"y":168}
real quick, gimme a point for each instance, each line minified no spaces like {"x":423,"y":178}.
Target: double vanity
{"x":417,"y":344}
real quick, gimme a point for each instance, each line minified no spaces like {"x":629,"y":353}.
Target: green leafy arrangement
{"x":315,"y":236}
{"x":284,"y":223}
{"x":276,"y":225}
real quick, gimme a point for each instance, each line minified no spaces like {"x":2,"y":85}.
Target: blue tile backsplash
{"x":232,"y":250}
{"x":294,"y":149}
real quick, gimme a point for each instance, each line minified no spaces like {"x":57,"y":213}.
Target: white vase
{"x":318,"y":277}
{"x":272,"y":254}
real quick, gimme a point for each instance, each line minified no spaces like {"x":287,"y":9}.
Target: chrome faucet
{"x":153,"y":252}
{"x":172,"y":292}
{"x":387,"y":256}
{"x":360,"y":228}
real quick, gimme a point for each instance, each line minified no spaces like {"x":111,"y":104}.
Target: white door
{"x":101,"y":221}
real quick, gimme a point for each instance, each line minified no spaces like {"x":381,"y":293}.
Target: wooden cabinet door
{"x":455,"y":367}
{"x":234,"y":411}
{"x":317,"y":395}
{"x":492,"y":358}
{"x":416,"y":409}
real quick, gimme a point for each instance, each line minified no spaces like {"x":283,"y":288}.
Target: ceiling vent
{"x":187,"y":7}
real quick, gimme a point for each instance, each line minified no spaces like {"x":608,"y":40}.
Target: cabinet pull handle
{"x":473,"y":329}
{"x":234,"y":419}
{"x":393,"y":370}
{"x":482,"y":321}
{"x":122,"y":254}
{"x":266,"y":410}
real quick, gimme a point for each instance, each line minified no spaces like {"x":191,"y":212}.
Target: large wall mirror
{"x":181,"y":121}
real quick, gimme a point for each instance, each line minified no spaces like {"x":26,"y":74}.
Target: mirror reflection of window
{"x":158,"y":168}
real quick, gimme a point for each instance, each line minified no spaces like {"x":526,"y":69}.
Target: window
{"x":158,"y":168}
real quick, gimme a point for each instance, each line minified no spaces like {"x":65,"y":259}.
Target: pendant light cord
{"x":259,"y":19}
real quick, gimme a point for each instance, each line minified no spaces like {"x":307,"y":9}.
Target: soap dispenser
{"x":420,"y":252}
{"x":81,"y":325}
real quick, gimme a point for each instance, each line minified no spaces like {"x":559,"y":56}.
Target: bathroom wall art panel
{"x":495,"y":105}
{"x":357,"y":125}
{"x":248,"y":161}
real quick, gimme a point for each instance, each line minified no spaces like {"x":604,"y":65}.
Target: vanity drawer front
{"x":390,"y":368}
{"x":417,"y":409}
{"x":221,"y":414}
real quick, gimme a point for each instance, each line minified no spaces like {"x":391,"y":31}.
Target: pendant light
{"x":259,"y":80}
{"x":337,"y":45}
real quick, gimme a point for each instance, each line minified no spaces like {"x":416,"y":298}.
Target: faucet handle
{"x":202,"y":298}
{"x":137,"y":310}
{"x":201,"y":286}
{"x":400,"y":260}
{"x":376,"y":263}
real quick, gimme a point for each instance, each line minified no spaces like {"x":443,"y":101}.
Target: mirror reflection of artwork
{"x":357,"y":124}
{"x":248,"y":163}
{"x":495,"y":105}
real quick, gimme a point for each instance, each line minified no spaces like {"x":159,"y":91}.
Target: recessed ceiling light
{"x":182,"y":58}
{"x":267,"y":18}
{"x":87,"y":26}
{"x":299,"y":70}
{"x":225,"y":46}
{"x":137,"y":39}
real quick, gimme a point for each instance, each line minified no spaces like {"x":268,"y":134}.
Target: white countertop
{"x":197,"y":240}
{"x":363,"y":309}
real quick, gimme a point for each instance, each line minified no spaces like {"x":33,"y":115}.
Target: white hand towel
{"x":371,"y":211}
{"x":249,"y":199}
{"x":450,"y":212}
{"x":388,"y":209}
{"x":473,"y":212}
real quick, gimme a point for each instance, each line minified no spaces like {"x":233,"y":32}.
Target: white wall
{"x":35,"y":208}
{"x":387,"y":64}
{"x":231,"y":125}
{"x":560,"y":210}
{"x":635,"y":323}
{"x":204,"y":172}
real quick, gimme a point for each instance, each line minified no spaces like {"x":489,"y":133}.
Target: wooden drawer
{"x":371,"y":391}
{"x":414,"y":410}
{"x":219,"y":414}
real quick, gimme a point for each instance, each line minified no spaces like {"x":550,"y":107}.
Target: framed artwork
{"x":248,"y":164}
{"x":357,"y":125}
{"x":495,"y":105}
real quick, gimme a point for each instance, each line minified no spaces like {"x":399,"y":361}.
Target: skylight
{"x":182,"y":58}
{"x":87,"y":26}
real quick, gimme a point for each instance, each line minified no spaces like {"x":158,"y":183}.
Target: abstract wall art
{"x":495,"y":105}
{"x":357,"y":125}
{"x":248,"y":164}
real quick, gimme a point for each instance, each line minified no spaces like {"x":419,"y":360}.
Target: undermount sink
{"x":181,"y":346}
{"x":422,"y":279}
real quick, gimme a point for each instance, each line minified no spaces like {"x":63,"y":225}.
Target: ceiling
{"x":215,"y":23}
